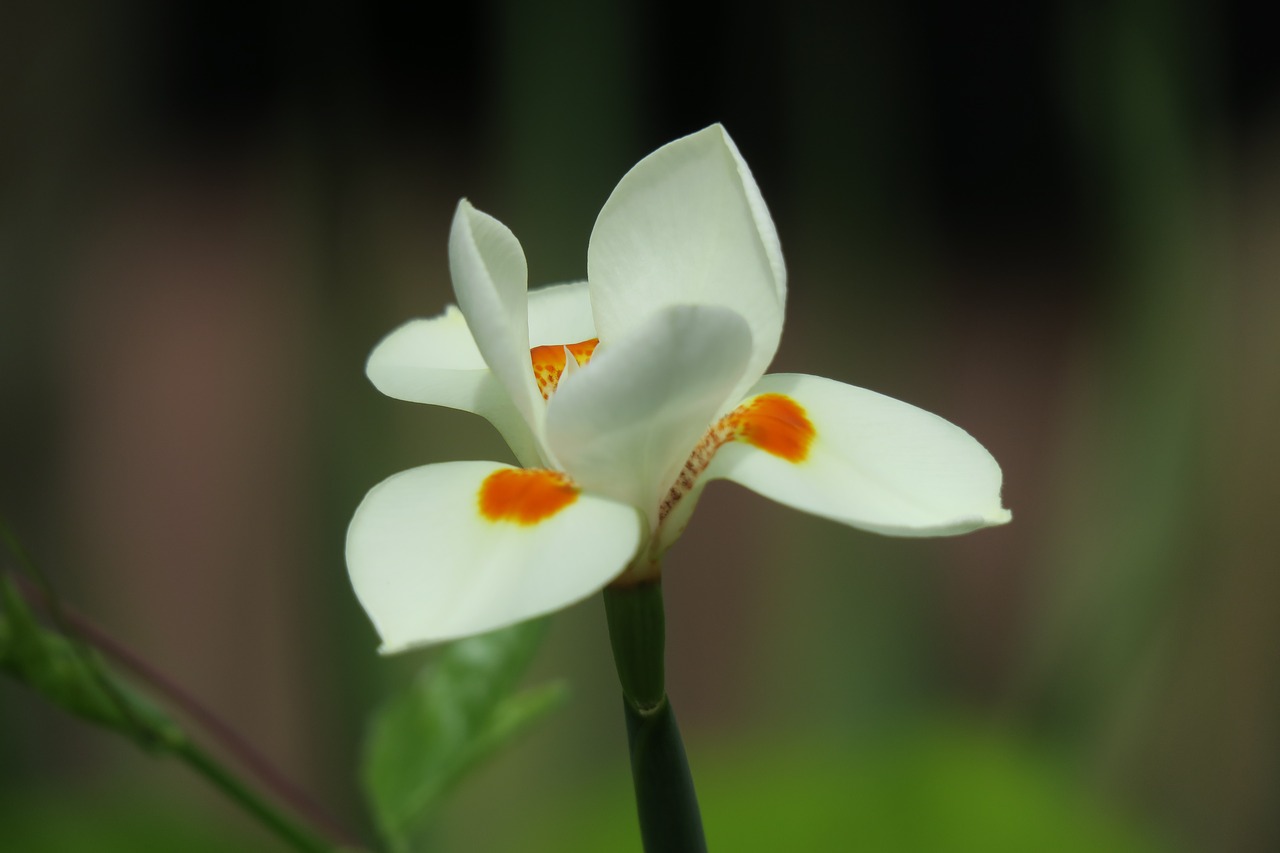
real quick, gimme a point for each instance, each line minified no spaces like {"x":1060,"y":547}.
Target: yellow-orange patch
{"x":776,"y":424}
{"x":525,"y":496}
{"x":548,"y":362}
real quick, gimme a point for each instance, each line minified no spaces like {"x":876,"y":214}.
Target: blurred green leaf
{"x":70,"y":677}
{"x":455,"y":713}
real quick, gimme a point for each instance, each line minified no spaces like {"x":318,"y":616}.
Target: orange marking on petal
{"x":548,"y":362}
{"x":776,"y":424}
{"x":583,"y":350}
{"x":523,"y":496}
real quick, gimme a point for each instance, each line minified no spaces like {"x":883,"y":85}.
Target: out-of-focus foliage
{"x":69,"y":676}
{"x":144,"y":822}
{"x":929,"y":788}
{"x":454,"y":714}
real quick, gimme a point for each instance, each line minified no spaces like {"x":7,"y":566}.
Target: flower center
{"x":548,"y":362}
{"x":525,"y":496}
{"x":775,"y":423}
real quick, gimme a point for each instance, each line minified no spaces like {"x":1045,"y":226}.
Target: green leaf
{"x":455,"y":713}
{"x":71,"y":677}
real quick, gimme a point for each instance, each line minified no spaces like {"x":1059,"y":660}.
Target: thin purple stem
{"x":227,"y":738}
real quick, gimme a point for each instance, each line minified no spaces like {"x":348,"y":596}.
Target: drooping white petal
{"x":428,"y":564}
{"x":490,"y":279}
{"x":872,"y":462}
{"x":435,"y":361}
{"x":560,"y":314}
{"x":687,"y":225}
{"x":624,"y":425}
{"x":442,"y":342}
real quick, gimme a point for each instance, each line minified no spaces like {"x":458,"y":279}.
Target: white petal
{"x":687,"y":225}
{"x":624,"y":425}
{"x":490,"y":280}
{"x":428,"y":566}
{"x":439,"y":343}
{"x":874,"y":462}
{"x":560,"y":314}
{"x":436,"y":361}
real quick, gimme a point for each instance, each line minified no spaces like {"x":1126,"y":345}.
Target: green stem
{"x":156,"y":729}
{"x":665,"y":799}
{"x":292,"y":833}
{"x":666,"y":802}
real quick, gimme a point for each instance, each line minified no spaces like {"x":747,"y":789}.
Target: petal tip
{"x":467,"y":215}
{"x":716,"y":129}
{"x":387,"y":648}
{"x":462,"y":214}
{"x":995,"y":518}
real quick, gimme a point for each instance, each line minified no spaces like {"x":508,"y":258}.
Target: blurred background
{"x":1056,"y":225}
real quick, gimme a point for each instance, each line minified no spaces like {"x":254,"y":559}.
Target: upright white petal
{"x":687,"y":225}
{"x":870,"y":461}
{"x":490,"y":279}
{"x":436,"y":361}
{"x":624,"y":425}
{"x":428,"y":564}
{"x":560,"y":314}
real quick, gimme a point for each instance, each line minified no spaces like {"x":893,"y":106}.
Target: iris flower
{"x":622,"y":397}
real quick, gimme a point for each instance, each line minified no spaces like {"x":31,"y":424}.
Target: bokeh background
{"x":1057,"y":225}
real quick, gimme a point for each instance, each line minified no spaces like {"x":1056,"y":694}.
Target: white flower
{"x":685,"y":295}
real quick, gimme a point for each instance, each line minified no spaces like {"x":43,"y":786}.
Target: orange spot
{"x":776,"y":424}
{"x":525,"y":496}
{"x":548,"y":362}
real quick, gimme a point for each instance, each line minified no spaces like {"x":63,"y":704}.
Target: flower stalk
{"x":666,"y":802}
